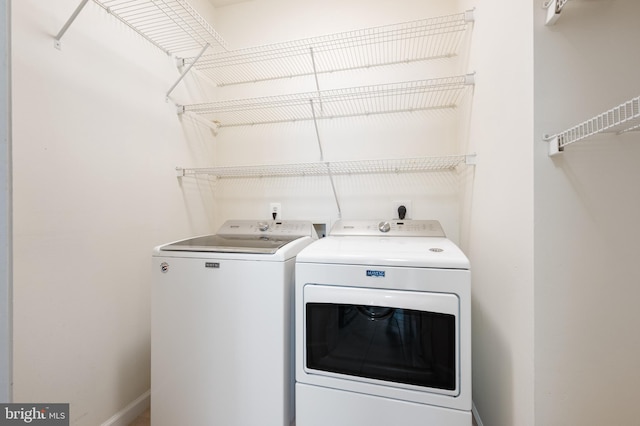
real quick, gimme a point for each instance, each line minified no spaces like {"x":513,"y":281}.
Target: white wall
{"x":95,"y":147}
{"x":587,"y":206}
{"x":498,"y":214}
{"x":433,"y":195}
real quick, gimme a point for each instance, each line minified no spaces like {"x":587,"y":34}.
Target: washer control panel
{"x":391,"y":228}
{"x":290,"y":228}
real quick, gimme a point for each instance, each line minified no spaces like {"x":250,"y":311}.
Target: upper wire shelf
{"x":391,"y":44}
{"x":171,"y":25}
{"x":350,"y":102}
{"x":621,"y":119}
{"x":403,"y":165}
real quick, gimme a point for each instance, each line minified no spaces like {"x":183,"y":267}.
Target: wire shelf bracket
{"x":185,"y":72}
{"x":173,"y":26}
{"x":406,"y":42}
{"x":324,"y":168}
{"x":553,"y":7}
{"x":621,"y":119}
{"x":57,"y":39}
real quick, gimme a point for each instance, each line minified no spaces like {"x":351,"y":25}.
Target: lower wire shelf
{"x":323,"y":168}
{"x":621,"y":119}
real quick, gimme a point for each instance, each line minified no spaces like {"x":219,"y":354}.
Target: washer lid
{"x":247,"y":236}
{"x":231,"y":244}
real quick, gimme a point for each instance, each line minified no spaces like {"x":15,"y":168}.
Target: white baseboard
{"x":131,"y":411}
{"x":476,"y":415}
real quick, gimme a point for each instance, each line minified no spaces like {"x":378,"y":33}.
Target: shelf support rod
{"x":184,"y":73}
{"x":315,"y":74}
{"x":58,"y":37}
{"x":214,"y":126}
{"x":333,"y":186}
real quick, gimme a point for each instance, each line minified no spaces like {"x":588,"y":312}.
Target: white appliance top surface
{"x":387,"y":248}
{"x":246,"y":236}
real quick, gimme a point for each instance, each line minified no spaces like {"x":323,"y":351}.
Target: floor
{"x":144,"y":419}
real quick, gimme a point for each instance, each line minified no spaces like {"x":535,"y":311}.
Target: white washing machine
{"x":383,"y":327}
{"x":222,"y":326}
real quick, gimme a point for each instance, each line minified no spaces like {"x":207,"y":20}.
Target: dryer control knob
{"x":263,"y":226}
{"x":384,"y":226}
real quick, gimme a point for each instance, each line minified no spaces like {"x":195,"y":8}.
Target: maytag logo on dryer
{"x":374,"y":273}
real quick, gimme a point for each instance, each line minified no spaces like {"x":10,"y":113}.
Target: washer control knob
{"x":263,"y":226}
{"x":384,"y":226}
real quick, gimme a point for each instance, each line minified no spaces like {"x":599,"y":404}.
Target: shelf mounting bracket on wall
{"x":186,"y":71}
{"x":554,"y":7}
{"x":56,"y":42}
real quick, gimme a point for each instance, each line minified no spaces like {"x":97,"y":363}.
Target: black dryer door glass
{"x":390,"y":344}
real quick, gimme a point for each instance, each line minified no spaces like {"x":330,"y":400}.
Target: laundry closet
{"x":119,"y":146}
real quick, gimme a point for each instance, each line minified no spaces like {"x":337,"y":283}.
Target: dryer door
{"x":399,"y":339}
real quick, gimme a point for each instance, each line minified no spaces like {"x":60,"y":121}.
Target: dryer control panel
{"x":391,"y":228}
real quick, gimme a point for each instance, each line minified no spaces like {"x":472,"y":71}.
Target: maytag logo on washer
{"x":164,"y":267}
{"x":372,"y":273}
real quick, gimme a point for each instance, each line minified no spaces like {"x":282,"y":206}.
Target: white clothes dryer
{"x":383,"y":327}
{"x":222,"y":326}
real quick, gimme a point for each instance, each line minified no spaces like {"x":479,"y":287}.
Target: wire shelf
{"x":172,"y":25}
{"x":404,"y":165}
{"x":398,"y":43}
{"x":621,"y":119}
{"x":365,"y":100}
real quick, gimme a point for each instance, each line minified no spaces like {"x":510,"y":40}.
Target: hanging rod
{"x":621,"y":119}
{"x":357,"y":101}
{"x":173,"y":26}
{"x":417,"y":40}
{"x":322,"y":168}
